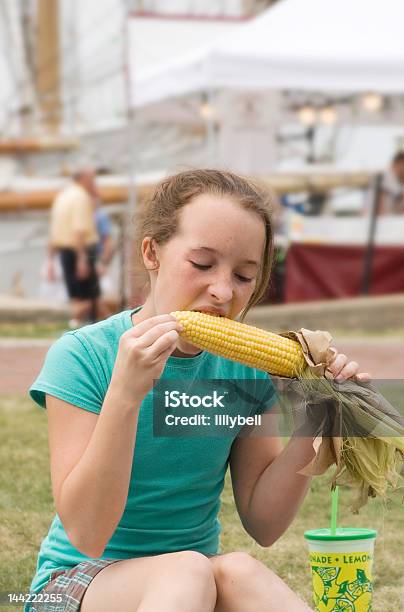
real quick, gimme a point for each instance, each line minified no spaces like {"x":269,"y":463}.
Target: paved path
{"x":20,"y":363}
{"x":21,"y":360}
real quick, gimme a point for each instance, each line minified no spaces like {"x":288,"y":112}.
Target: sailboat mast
{"x":47,"y":61}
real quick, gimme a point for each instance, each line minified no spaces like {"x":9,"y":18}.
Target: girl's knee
{"x":236,"y":566}
{"x":193,"y":562}
{"x":193,"y":578}
{"x":191,"y":565}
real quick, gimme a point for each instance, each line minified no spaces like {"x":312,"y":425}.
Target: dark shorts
{"x":66,"y":588}
{"x":86,"y":289}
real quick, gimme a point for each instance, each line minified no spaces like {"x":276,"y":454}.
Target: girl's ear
{"x":149,"y":254}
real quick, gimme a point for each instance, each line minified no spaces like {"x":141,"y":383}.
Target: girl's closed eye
{"x":243,"y":279}
{"x":200,"y":266}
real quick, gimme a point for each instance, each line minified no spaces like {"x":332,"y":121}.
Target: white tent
{"x":312,"y":45}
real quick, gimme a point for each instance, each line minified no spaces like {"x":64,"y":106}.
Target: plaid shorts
{"x":65,"y":589}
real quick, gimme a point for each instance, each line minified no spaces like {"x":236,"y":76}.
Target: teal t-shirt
{"x":176,"y":482}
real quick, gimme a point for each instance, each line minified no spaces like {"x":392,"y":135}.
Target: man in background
{"x":73,"y":235}
{"x":106,"y":244}
{"x":392,"y":188}
{"x":106,"y":248}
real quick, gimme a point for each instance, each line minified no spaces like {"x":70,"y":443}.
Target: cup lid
{"x":342,"y":533}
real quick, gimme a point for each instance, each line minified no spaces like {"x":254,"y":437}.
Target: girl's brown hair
{"x":158,"y":217}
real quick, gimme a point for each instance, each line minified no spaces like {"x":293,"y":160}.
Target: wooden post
{"x":47,"y":62}
{"x":370,"y":247}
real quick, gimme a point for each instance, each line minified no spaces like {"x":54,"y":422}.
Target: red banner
{"x":319,"y":272}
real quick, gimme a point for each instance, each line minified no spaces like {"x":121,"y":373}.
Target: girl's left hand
{"x":342,"y":369}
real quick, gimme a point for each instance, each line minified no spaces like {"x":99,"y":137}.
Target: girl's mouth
{"x":213,"y":313}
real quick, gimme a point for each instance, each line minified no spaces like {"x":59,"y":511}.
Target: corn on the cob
{"x":246,"y":344}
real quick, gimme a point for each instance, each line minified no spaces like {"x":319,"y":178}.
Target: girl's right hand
{"x":142,"y":354}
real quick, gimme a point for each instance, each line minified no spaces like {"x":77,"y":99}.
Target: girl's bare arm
{"x":91,"y":462}
{"x":92,"y":455}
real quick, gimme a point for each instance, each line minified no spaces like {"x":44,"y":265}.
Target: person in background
{"x":106,"y":248}
{"x":392,"y":190}
{"x":106,"y":245}
{"x":73,"y":235}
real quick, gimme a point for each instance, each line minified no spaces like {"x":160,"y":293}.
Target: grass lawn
{"x":54,"y":329}
{"x":26,"y":510}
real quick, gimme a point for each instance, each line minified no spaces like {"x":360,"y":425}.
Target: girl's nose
{"x":221,"y":290}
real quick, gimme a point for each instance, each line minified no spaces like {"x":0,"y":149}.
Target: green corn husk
{"x":371,"y":460}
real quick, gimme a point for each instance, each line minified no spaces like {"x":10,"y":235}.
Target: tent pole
{"x":370,"y":248}
{"x":210,"y":130}
{"x":128,"y":214}
{"x":131,"y":207}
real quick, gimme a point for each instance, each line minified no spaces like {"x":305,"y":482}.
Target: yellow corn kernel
{"x":246,"y":344}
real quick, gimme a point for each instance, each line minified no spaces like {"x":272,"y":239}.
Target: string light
{"x":328,"y":115}
{"x":372,"y":102}
{"x":307,"y":115}
{"x":207,"y":111}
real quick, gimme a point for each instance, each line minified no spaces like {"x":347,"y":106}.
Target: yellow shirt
{"x":72,"y":213}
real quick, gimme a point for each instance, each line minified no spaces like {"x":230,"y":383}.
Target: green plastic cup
{"x":341,"y":567}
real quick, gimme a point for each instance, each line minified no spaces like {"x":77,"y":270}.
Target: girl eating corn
{"x":137,"y":524}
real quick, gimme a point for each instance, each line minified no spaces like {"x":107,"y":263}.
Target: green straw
{"x":334,"y":510}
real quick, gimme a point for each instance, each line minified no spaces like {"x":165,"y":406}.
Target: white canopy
{"x":312,"y":45}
